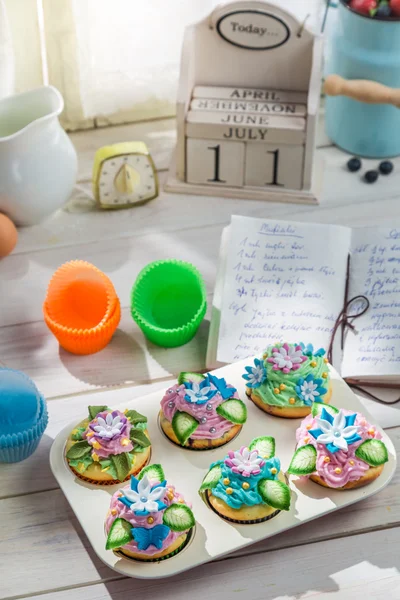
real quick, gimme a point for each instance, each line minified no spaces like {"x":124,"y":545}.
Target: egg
{"x":8,"y":236}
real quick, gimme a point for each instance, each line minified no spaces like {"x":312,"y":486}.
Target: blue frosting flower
{"x":150,"y":537}
{"x":310,"y":389}
{"x":222,"y":387}
{"x":256,"y":375}
{"x":199,"y":393}
{"x":309,"y":350}
{"x":144,"y":498}
{"x":338,"y":432}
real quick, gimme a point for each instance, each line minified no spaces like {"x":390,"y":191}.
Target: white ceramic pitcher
{"x":38,"y":163}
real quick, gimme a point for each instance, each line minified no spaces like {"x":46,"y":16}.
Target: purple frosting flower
{"x":109,"y":433}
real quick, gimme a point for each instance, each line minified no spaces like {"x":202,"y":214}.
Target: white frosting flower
{"x":198,"y":395}
{"x":245,"y":462}
{"x":108,"y":427}
{"x":336,"y":433}
{"x":287,"y":358}
{"x":309,"y":390}
{"x":145,"y":499}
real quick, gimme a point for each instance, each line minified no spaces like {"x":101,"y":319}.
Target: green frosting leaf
{"x":122,"y":465}
{"x":265,"y":446}
{"x":138,"y":437}
{"x":192,"y":377}
{"x":373,"y":452}
{"x":79,"y":450}
{"x":274,"y":493}
{"x":178,"y":517}
{"x":95,"y":410}
{"x":318,"y":406}
{"x":155,"y":473}
{"x":183,"y":426}
{"x":119,"y":534}
{"x":110,"y":469}
{"x":211,"y":479}
{"x":135,"y":417}
{"x":304,"y":461}
{"x":233,"y":410}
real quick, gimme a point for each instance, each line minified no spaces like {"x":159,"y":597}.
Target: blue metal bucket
{"x":364,"y":48}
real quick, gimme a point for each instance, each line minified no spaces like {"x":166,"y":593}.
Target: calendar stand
{"x":252,"y":46}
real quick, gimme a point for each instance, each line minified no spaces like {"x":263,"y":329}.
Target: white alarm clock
{"x":124,"y":175}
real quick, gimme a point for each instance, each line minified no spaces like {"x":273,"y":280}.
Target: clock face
{"x":126,"y":180}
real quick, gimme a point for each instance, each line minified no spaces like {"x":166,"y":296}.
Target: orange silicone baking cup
{"x":81,"y":307}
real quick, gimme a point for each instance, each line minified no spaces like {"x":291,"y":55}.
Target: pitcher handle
{"x":362,"y":90}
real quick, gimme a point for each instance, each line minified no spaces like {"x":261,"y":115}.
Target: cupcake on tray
{"x":148,"y":520}
{"x":201,"y":412}
{"x":108,"y":446}
{"x":247,"y":486}
{"x":338,"y":449}
{"x":288,"y":379}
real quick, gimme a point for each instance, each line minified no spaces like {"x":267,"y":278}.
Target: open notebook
{"x":281,"y":280}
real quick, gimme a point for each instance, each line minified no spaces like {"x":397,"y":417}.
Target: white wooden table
{"x":353,"y":554}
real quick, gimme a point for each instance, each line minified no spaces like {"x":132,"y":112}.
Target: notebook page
{"x":283,"y":281}
{"x":374,"y":351}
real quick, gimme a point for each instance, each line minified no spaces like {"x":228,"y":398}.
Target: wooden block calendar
{"x":248,"y":105}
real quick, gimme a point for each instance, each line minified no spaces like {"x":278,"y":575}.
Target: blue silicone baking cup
{"x":15,"y":447}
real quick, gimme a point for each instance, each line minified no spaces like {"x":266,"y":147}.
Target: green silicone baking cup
{"x":168,"y":302}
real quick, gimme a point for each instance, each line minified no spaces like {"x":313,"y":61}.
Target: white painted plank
{"x":128,"y":359}
{"x":345,"y":199}
{"x":58,"y":555}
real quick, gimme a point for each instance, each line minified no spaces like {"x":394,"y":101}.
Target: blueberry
{"x":386,"y":167}
{"x":371,"y":176}
{"x":354,"y":165}
{"x":383,"y":11}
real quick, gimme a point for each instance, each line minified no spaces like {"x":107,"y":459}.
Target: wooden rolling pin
{"x":362,"y":90}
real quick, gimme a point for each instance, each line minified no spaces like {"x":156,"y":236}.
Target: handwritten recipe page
{"x":374,"y":351}
{"x":283,"y":281}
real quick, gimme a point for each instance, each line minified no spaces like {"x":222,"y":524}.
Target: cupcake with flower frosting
{"x":201,"y":412}
{"x":148,"y":519}
{"x":247,"y":486}
{"x":288,"y":379}
{"x":108,"y":446}
{"x":338,"y":449}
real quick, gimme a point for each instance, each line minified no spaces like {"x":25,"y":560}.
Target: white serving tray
{"x":213,"y":537}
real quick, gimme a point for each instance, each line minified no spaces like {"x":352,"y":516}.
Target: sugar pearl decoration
{"x":274,"y":471}
{"x":212,"y":430}
{"x":114,"y":511}
{"x":313,"y":363}
{"x":209,"y":407}
{"x":245,"y":485}
{"x":282,"y":387}
{"x":326,"y":361}
{"x":229,"y":491}
{"x":277,"y":391}
{"x":226,"y":481}
{"x":371,"y":431}
{"x":125,"y":442}
{"x":351,"y":462}
{"x":150,"y":520}
{"x":327,"y":459}
{"x":308,"y":426}
{"x":203,"y":420}
{"x":292,"y":400}
{"x":338,"y":470}
{"x":171,"y":404}
{"x":324,"y":375}
{"x":170,"y":495}
{"x":181,"y":500}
